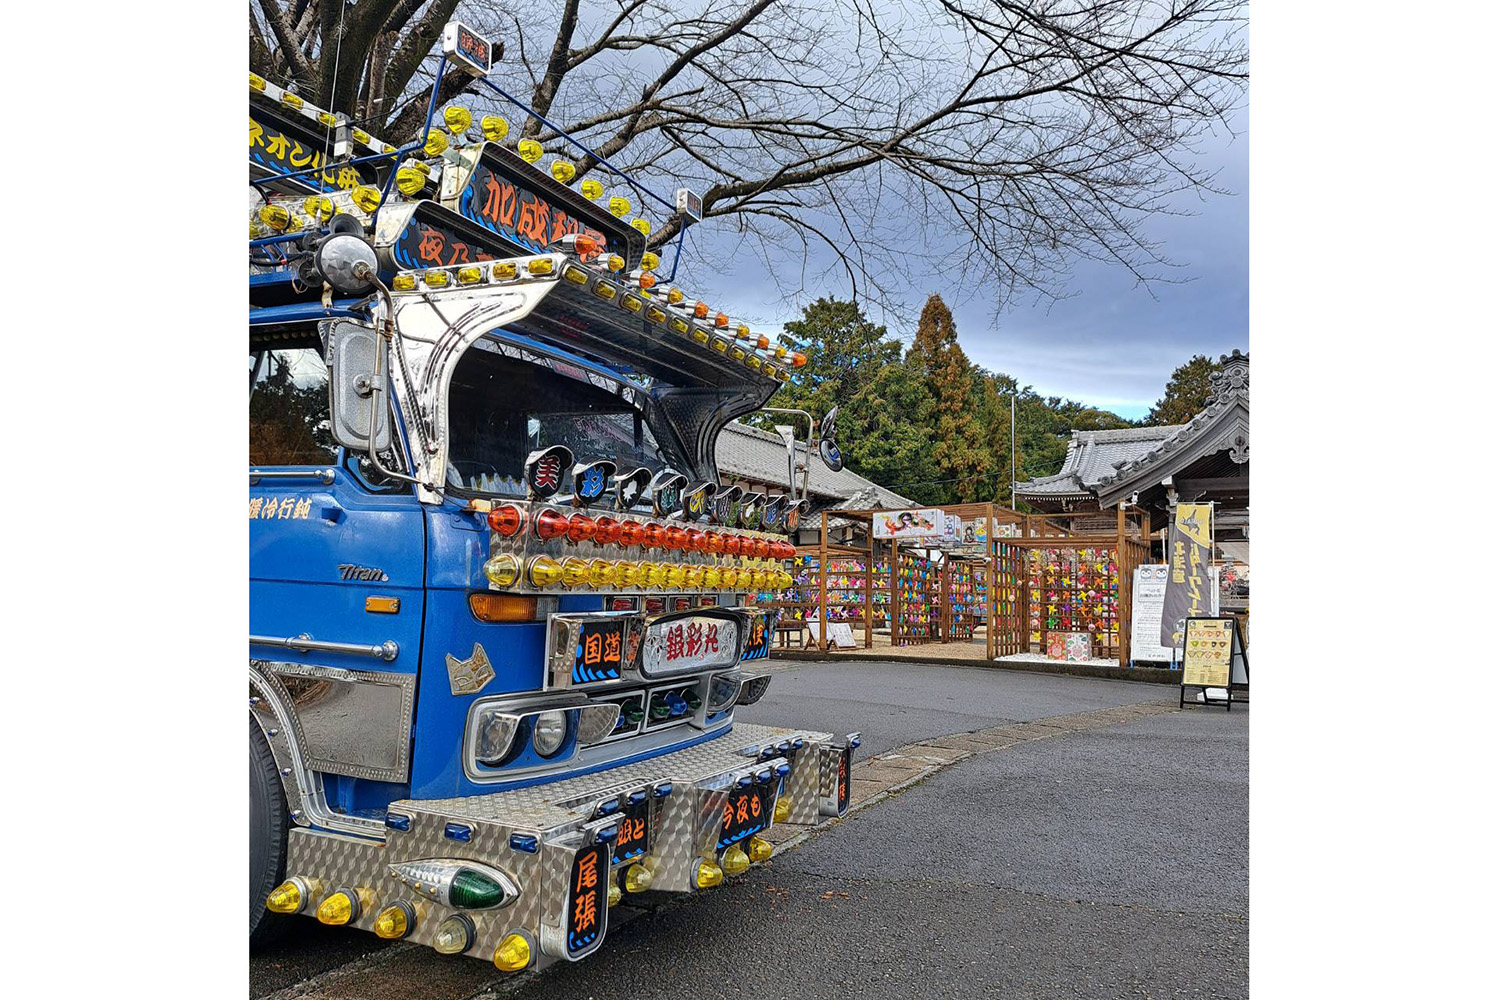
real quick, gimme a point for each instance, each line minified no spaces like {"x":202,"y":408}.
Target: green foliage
{"x":1186,"y":394}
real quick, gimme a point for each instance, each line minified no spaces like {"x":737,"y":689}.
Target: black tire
{"x":268,"y":826}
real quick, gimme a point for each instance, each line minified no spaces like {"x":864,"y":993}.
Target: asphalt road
{"x":1106,"y":863}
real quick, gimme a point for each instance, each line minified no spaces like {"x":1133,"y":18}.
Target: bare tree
{"x":1000,"y":139}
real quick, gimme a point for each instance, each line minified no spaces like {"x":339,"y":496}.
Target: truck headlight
{"x":548,"y":731}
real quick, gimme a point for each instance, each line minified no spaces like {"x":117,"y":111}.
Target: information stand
{"x":1213,"y":656}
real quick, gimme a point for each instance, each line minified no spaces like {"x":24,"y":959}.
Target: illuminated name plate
{"x":688,"y":642}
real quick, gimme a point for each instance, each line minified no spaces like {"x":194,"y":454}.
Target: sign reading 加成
{"x":1189,"y":549}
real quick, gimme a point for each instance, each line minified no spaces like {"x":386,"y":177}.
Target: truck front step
{"x":526,"y":877}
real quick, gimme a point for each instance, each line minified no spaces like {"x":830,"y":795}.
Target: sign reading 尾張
{"x":1213,"y":656}
{"x":1189,"y":549}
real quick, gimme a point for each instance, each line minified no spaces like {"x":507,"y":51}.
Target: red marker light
{"x":697,"y":540}
{"x":632,"y":532}
{"x":551,"y":524}
{"x":580,"y":528}
{"x":675,"y":538}
{"x":506,"y":519}
{"x":606,"y":530}
{"x":654,"y":536}
{"x":715,"y":542}
{"x":731,"y":545}
{"x":759,"y":547}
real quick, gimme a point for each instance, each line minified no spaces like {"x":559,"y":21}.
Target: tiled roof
{"x":752,"y":453}
{"x":1093,"y":456}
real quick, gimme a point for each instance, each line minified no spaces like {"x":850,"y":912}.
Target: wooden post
{"x":869,"y":587}
{"x":945,"y":603}
{"x":989,"y":563}
{"x":895,"y":605}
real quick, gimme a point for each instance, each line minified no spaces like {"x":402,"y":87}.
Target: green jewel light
{"x":474,"y":890}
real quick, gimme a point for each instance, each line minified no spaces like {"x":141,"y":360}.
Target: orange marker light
{"x":798,"y":360}
{"x":580,"y":528}
{"x":654,"y":536}
{"x":502,"y":607}
{"x":721,"y":320}
{"x":700,"y":311}
{"x":606,"y":531}
{"x":550,"y":524}
{"x":632,"y":533}
{"x":648,"y":280}
{"x":506,"y":519}
{"x":586,"y":247}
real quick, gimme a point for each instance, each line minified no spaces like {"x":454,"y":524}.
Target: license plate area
{"x":588,"y":900}
{"x":634,"y":837}
{"x":747,"y":811}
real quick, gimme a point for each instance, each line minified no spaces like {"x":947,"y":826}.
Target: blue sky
{"x":1109,"y":343}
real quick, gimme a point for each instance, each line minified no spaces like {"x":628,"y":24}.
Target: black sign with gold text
{"x":280,"y":147}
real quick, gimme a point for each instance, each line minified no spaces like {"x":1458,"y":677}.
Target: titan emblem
{"x":590,"y":481}
{"x":696,"y":504}
{"x":770,"y":516}
{"x":750,"y":510}
{"x":666,"y":493}
{"x":471,"y":675}
{"x":629,"y":486}
{"x":727,"y":506}
{"x":544,"y":471}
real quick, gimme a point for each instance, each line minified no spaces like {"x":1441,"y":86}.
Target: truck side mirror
{"x":353,"y":389}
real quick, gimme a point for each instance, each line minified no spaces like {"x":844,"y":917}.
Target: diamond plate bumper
{"x":533,"y":834}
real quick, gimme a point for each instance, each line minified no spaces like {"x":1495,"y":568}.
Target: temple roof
{"x":751,"y":453}
{"x":1093,"y":455}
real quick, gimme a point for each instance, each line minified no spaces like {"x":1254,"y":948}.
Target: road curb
{"x":1144,"y":675}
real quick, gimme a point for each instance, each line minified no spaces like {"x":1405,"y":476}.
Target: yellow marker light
{"x":721,"y":345}
{"x":634,"y":303}
{"x":674,"y":295}
{"x":494,"y":127}
{"x":735,"y":861}
{"x":641,"y":226}
{"x":256,"y":83}
{"x":454,"y":935}
{"x":700,"y":335}
{"x":543,"y":571}
{"x":738,"y":354}
{"x":318,"y":206}
{"x":410,"y":181}
{"x":436,"y":144}
{"x":360,"y":135}
{"x":656,"y":576}
{"x":502,"y":570}
{"x":435,"y":279}
{"x":643,"y":573}
{"x":619,"y":207}
{"x":574,"y":571}
{"x":780,"y":352}
{"x":614,"y":894}
{"x":338,"y":909}
{"x":656,"y":314}
{"x":277,"y":217}
{"x":513,"y":953}
{"x":539,"y":265}
{"x":395,"y":922}
{"x":753,"y":362}
{"x":680,"y":325}
{"x":742,"y":332}
{"x":758,"y":579}
{"x":615,"y":262}
{"x":530,"y":150}
{"x":713,"y":577}
{"x":760,"y":849}
{"x":386,"y":147}
{"x":649,"y":261}
{"x":576,"y":275}
{"x":366,"y":197}
{"x":469,"y":275}
{"x":563,"y":171}
{"x":783,"y":811}
{"x":591,"y":189}
{"x":327,"y":119}
{"x":676,"y":576}
{"x":624,"y":573}
{"x":730,"y":576}
{"x":601,"y":573}
{"x":457,"y":119}
{"x":291,"y":100}
{"x":288,"y":897}
{"x":605,"y":290}
{"x":404,"y":282}
{"x":707,"y":875}
{"x":503,"y":272}
{"x":638,"y":878}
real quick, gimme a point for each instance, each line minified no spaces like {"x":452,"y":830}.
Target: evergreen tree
{"x":1186,"y":393}
{"x":959,"y":444}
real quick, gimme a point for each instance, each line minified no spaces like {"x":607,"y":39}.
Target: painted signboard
{"x":925,"y":523}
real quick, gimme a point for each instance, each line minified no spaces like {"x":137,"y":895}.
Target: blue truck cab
{"x":497,"y":632}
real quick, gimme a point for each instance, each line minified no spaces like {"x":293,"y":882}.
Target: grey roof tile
{"x":752,"y":453}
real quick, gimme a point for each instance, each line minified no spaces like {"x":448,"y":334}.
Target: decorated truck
{"x":497,"y":637}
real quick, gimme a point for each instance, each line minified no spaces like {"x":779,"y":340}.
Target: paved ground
{"x":1108,"y":861}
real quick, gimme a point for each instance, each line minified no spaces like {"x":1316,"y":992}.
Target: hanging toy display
{"x":1075,"y":590}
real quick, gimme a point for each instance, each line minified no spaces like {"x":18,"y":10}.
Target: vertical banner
{"x":1189,"y":549}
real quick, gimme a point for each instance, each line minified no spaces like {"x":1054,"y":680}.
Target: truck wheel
{"x":268,"y":826}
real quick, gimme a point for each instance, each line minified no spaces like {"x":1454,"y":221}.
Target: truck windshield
{"x":503,"y":408}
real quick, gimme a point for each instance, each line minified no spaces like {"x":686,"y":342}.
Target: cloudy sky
{"x":1110,"y":343}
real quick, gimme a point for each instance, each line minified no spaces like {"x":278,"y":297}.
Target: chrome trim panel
{"x":324,"y":476}
{"x":305,"y":643}
{"x":270,"y":706}
{"x":353,"y":722}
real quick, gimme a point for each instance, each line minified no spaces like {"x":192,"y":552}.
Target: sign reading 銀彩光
{"x":1189,"y":549}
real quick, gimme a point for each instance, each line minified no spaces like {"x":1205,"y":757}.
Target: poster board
{"x":839,"y":633}
{"x":924,"y":523}
{"x":1213,"y":656}
{"x":1148,"y":593}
